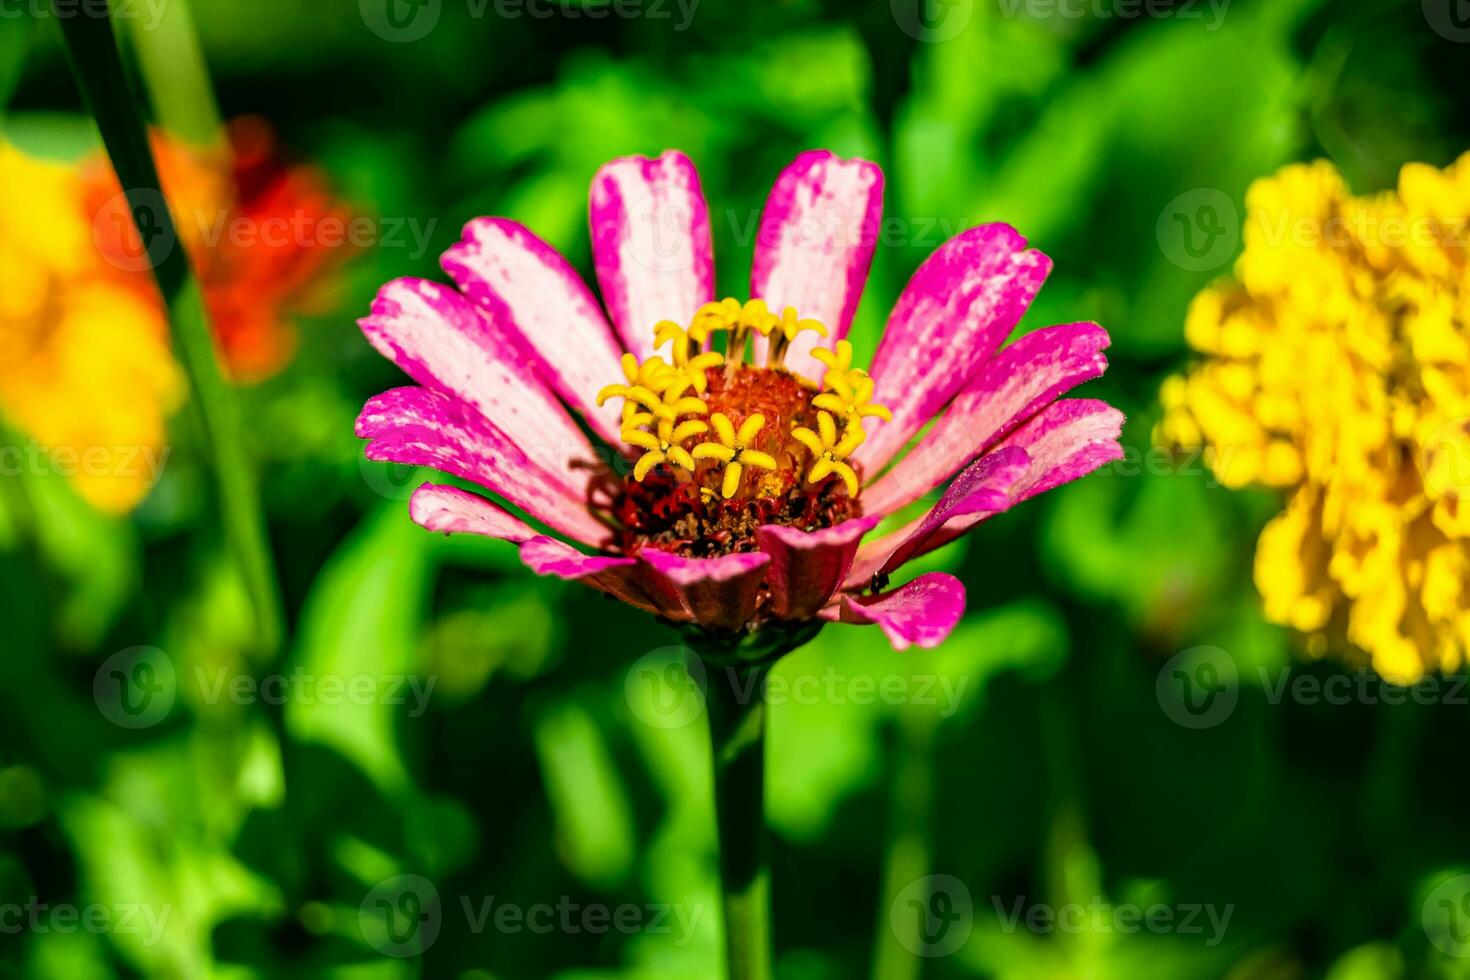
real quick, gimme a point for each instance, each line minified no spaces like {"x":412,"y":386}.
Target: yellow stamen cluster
{"x":733,"y":449}
{"x":660,"y":415}
{"x":848,"y":391}
{"x":646,"y":382}
{"x":829,"y":452}
{"x":686,"y":349}
{"x":665,"y":446}
{"x":1335,"y":369}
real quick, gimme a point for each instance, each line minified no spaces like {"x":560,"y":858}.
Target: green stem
{"x":171,"y":62}
{"x":737,"y":715}
{"x":92,"y":48}
{"x":909,"y":854}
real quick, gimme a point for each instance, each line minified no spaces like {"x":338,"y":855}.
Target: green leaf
{"x":364,"y":617}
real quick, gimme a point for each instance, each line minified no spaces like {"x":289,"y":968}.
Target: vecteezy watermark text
{"x":1099,"y":916}
{"x":130,"y":232}
{"x":149,"y":13}
{"x":137,"y":688}
{"x":406,"y":21}
{"x":1210,"y":11}
{"x":128,"y":918}
{"x":301,"y":687}
{"x":35,"y":459}
{"x":402,"y":916}
{"x":1200,"y":687}
{"x":934,"y":916}
{"x":666,"y":688}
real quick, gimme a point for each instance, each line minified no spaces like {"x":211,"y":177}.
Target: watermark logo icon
{"x":400,"y":21}
{"x":1199,"y":230}
{"x":132,"y":231}
{"x":932,"y":21}
{"x":136,"y":687}
{"x":393,"y":481}
{"x":1199,"y":687}
{"x":401,"y":916}
{"x":933,"y":916}
{"x":1450,"y":19}
{"x":1444,"y":459}
{"x":1446,"y":916}
{"x":665,"y":688}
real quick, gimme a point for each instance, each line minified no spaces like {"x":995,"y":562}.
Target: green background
{"x":548,"y":766}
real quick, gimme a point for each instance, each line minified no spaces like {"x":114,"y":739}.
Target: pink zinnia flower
{"x":751,"y":472}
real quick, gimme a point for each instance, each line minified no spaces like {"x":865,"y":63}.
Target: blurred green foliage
{"x":523,"y":743}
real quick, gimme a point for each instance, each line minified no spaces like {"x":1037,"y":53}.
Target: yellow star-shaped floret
{"x":838,"y":360}
{"x":645,"y":381}
{"x":712,"y":317}
{"x":828,"y":452}
{"x":732,"y":449}
{"x":690,"y":360}
{"x":850,"y":396}
{"x":781,"y":331}
{"x":663,"y":445}
{"x":672,"y":404}
{"x":756,"y":315}
{"x":789,"y":325}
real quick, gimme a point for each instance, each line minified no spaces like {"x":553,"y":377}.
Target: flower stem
{"x":737,"y":715}
{"x":909,"y":852}
{"x":91,"y":46}
{"x":171,"y":62}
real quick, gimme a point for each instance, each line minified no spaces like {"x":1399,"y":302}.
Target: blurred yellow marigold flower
{"x":85,"y":365}
{"x":1337,"y":368}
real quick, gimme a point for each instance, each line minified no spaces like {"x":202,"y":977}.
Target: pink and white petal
{"x":807,"y":567}
{"x":527,"y":285}
{"x":1065,"y":441}
{"x":450,"y":510}
{"x":455,"y":511}
{"x":445,"y":342}
{"x":1024,"y":377}
{"x":958,"y":308}
{"x":922,"y":612}
{"x":422,"y":427}
{"x":815,"y":244}
{"x":717,"y":593}
{"x":873,"y":552}
{"x":621,"y":578}
{"x":651,"y":244}
{"x":982,"y":489}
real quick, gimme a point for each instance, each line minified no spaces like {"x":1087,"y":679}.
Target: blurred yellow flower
{"x":1337,"y":368}
{"x":85,"y":365}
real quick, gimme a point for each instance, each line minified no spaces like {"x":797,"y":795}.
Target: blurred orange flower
{"x":261,"y":234}
{"x":85,"y":365}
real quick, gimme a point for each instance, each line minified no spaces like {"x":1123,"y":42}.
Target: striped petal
{"x":1026,"y":376}
{"x":1065,"y":441}
{"x":807,"y":567}
{"x":982,"y":489}
{"x":717,"y":593}
{"x":445,"y":342}
{"x":450,"y":510}
{"x":651,"y":244}
{"x":422,"y":427}
{"x":956,"y":311}
{"x":815,"y":244}
{"x":920,"y":613}
{"x":454,"y":511}
{"x":525,"y":284}
{"x":620,"y":578}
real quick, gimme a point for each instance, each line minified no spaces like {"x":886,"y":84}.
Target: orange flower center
{"x":720,"y":446}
